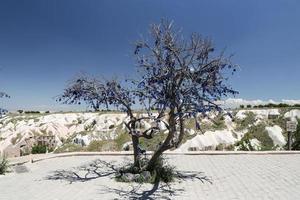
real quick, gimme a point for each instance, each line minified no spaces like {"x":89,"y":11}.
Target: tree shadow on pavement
{"x":99,"y":168}
{"x":96,"y":169}
{"x":159,"y":190}
{"x":139,"y":191}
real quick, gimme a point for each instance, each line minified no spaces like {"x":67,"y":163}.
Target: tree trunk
{"x":95,"y":106}
{"x":166,"y":145}
{"x":135,"y":143}
{"x":153,"y":161}
{"x":181,"y":131}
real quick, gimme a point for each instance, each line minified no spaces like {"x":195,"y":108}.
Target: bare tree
{"x":84,"y":89}
{"x":182,"y":77}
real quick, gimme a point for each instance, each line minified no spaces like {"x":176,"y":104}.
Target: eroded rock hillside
{"x":257,"y":129}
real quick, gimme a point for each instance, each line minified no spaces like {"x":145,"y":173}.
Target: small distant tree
{"x":283,"y":105}
{"x":3,"y":95}
{"x":242,"y":106}
{"x":270,"y":105}
{"x":249,"y":106}
{"x":84,"y":89}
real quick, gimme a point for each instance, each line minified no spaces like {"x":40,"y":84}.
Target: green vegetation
{"x":32,"y":112}
{"x":190,"y":123}
{"x":244,"y":144}
{"x":4,"y":165}
{"x":99,"y":145}
{"x":296,"y":137}
{"x":37,"y":149}
{"x":222,"y":147}
{"x":280,"y":121}
{"x":280,"y":105}
{"x":259,"y":132}
{"x":162,"y":172}
{"x":122,"y":139}
{"x":271,"y":105}
{"x":242,"y":124}
{"x":152,"y":144}
{"x":69,"y":147}
{"x":219,"y":123}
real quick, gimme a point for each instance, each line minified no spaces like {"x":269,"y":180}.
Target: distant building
{"x":273,"y":114}
{"x":48,"y":140}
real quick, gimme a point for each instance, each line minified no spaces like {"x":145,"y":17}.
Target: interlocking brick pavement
{"x":231,"y":176}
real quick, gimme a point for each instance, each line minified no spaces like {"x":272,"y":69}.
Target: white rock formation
{"x":292,"y":115}
{"x":275,"y":133}
{"x":259,"y":113}
{"x":210,"y":139}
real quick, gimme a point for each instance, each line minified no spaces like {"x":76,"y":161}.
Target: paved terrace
{"x":228,"y":176}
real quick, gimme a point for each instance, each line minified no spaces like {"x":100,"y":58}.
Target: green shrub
{"x":3,"y":165}
{"x":38,"y":149}
{"x":162,"y":172}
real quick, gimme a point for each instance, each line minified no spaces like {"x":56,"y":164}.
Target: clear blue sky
{"x":45,"y":43}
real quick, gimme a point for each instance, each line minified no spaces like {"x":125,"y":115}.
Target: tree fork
{"x":166,"y":144}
